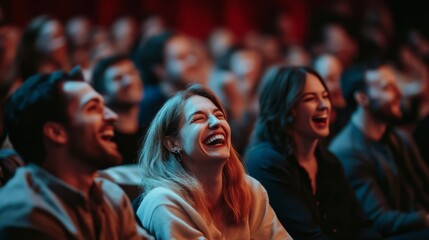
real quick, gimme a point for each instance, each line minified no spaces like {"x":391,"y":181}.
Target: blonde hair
{"x":161,"y":169}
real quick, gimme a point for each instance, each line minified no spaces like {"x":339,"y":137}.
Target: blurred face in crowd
{"x":311,"y":112}
{"x":9,"y":39}
{"x":153,"y":26}
{"x":339,"y":43}
{"x":123,"y":84}
{"x":271,"y":50}
{"x":220,"y":41}
{"x":79,"y":30}
{"x":51,"y":42}
{"x":383,"y":94}
{"x":247,"y":66}
{"x":204,"y":135}
{"x":181,"y":62}
{"x":297,"y":56}
{"x":330,"y":70}
{"x":124,"y":32}
{"x":91,"y":127}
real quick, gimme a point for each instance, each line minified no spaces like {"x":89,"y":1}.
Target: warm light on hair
{"x":161,"y":169}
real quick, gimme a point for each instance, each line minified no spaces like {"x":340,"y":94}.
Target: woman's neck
{"x":304,"y":148}
{"x":210,"y":178}
{"x":212,"y":184}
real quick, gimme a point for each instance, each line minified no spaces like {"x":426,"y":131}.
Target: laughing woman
{"x":305,"y":183}
{"x":195,"y":186}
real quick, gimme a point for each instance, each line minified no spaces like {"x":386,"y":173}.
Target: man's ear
{"x":170,"y":142}
{"x":55,"y":132}
{"x":361,"y":98}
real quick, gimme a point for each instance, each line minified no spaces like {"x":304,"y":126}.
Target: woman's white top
{"x":166,"y":215}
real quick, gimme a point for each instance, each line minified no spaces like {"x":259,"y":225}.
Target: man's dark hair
{"x":353,"y":80}
{"x":38,"y":100}
{"x":150,"y":55}
{"x":98,"y":81}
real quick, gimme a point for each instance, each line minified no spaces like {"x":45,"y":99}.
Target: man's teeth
{"x":214,"y":138}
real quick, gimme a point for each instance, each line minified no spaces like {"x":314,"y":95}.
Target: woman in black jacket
{"x":305,"y":183}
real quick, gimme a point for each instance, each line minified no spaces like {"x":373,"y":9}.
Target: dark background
{"x":199,"y":17}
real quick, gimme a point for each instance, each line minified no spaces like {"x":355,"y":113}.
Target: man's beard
{"x":96,"y":158}
{"x":93,"y":154}
{"x":382,"y":113}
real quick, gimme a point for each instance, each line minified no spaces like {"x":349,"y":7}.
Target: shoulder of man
{"x":23,"y":209}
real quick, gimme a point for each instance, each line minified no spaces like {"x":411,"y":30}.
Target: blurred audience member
{"x":9,"y":37}
{"x":296,"y":55}
{"x":330,"y":69}
{"x":288,"y":27}
{"x":221,"y":40}
{"x":42,"y":49}
{"x":338,"y":42}
{"x":419,"y":44}
{"x":412,"y":76}
{"x":101,"y":46}
{"x":78,"y":32}
{"x":421,"y":136}
{"x":152,"y":26}
{"x":117,"y":79}
{"x":381,"y":163}
{"x":149,"y":61}
{"x":251,"y":40}
{"x":271,"y":50}
{"x":124,"y":35}
{"x":378,"y":31}
{"x":247,"y":67}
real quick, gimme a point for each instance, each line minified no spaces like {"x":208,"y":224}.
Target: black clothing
{"x":333,"y":213}
{"x":421,"y":136}
{"x":389,"y":178}
{"x":152,"y":102}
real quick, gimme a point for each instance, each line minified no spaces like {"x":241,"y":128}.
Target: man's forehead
{"x":81,"y":92}
{"x":72,"y":87}
{"x":178,"y":44}
{"x":381,"y":74}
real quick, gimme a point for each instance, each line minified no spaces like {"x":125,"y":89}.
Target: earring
{"x":176,"y":151}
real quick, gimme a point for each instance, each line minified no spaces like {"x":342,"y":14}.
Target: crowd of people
{"x":149,"y":133}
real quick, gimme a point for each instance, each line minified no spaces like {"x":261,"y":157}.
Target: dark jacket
{"x":389,"y":178}
{"x":332,"y":213}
